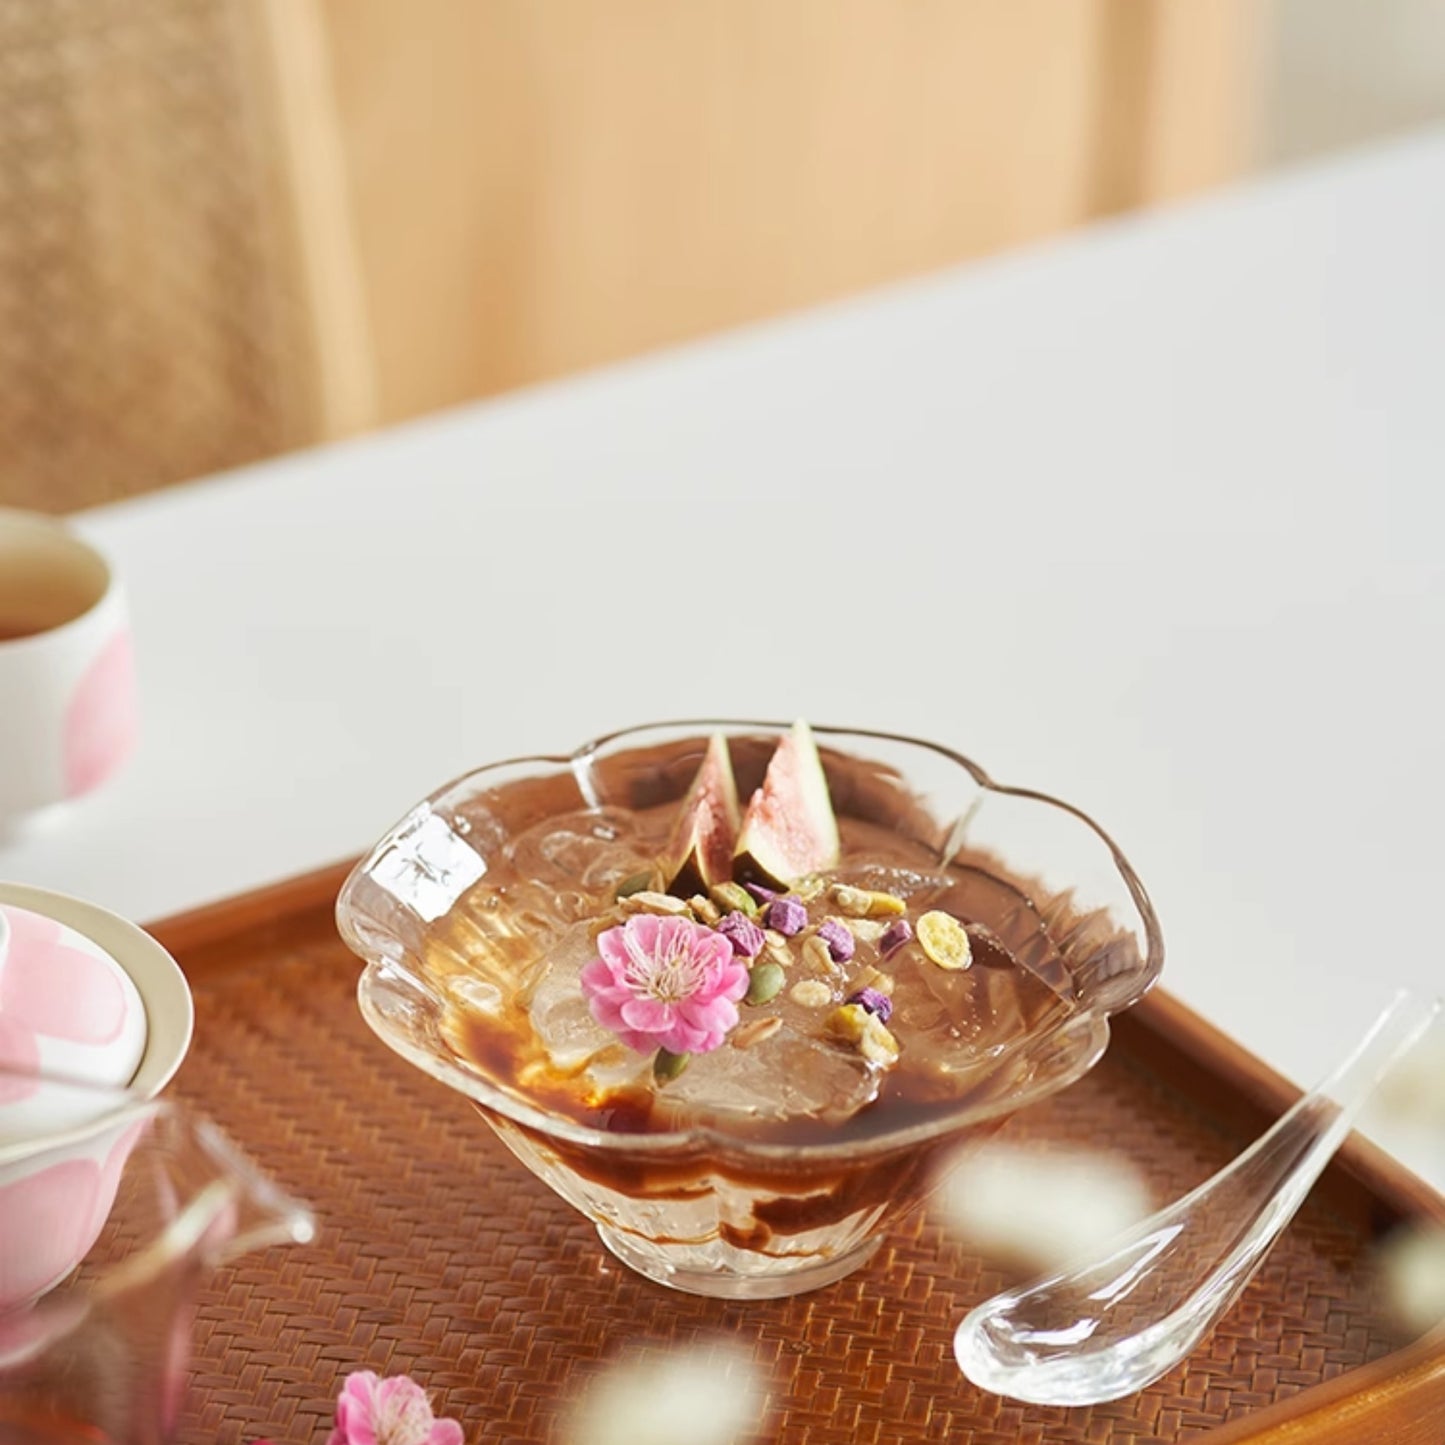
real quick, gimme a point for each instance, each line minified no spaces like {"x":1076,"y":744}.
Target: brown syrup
{"x":905,"y":1099}
{"x":814,"y":1172}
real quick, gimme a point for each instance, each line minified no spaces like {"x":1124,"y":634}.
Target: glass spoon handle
{"x":1109,"y":1327}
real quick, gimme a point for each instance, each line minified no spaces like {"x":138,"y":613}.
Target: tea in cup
{"x":68,"y":711}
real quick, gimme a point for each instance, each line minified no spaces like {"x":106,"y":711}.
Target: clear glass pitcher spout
{"x":107,"y":1231}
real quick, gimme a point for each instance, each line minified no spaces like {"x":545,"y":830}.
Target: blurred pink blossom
{"x":665,"y":982}
{"x":391,"y":1411}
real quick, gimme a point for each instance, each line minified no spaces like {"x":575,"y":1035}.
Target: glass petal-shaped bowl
{"x":439,"y":909}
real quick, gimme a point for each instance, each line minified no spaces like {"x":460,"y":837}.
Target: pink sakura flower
{"x":665,"y":982}
{"x":391,"y":1411}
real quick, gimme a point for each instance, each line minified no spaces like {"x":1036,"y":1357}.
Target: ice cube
{"x":588,"y":851}
{"x":789,"y":1075}
{"x":560,"y":1017}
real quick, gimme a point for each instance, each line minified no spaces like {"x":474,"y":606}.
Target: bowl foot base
{"x":661,"y":1265}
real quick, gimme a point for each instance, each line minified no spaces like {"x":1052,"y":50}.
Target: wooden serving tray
{"x":441,"y":1257}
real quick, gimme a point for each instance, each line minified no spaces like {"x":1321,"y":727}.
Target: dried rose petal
{"x":744,"y":935}
{"x":877,"y":1004}
{"x":840,"y":942}
{"x":899,"y":932}
{"x":787,"y":915}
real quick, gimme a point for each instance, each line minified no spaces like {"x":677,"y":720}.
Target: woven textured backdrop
{"x":151,"y":326}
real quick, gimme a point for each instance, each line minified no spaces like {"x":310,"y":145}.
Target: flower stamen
{"x":665,"y":982}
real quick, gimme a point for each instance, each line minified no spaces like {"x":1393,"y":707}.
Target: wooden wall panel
{"x":543,"y":185}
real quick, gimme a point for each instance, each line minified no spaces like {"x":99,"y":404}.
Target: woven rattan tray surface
{"x":440,"y":1256}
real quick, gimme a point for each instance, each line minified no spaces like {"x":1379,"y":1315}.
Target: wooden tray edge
{"x":1162,"y":1024}
{"x":1401,"y":1396}
{"x":272,"y":903}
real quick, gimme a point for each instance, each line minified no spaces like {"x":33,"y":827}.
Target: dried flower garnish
{"x":878,"y":1004}
{"x":665,"y":982}
{"x":841,"y":943}
{"x":899,"y":932}
{"x":786,"y":916}
{"x":392,"y":1411}
{"x":745,"y":936}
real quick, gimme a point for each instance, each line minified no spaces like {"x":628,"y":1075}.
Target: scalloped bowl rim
{"x":703,"y":1138}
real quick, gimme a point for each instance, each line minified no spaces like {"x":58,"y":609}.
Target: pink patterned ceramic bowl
{"x":86,"y":999}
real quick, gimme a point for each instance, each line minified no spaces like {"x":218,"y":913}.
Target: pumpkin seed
{"x":733,"y":897}
{"x":634,"y":883}
{"x":765,"y":982}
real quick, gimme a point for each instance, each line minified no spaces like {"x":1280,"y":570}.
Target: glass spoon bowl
{"x":1110,"y":1326}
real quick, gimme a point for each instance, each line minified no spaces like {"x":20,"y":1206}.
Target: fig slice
{"x":700,"y":851}
{"x":789,"y":829}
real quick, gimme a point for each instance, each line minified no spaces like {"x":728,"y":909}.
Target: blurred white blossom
{"x":1413,"y":1092}
{"x":1406,"y":1114}
{"x":1412,"y":1266}
{"x":704,"y":1394}
{"x":1035,"y":1207}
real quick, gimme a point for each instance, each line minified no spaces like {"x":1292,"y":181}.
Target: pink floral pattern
{"x":49,"y":987}
{"x":57,"y":1213}
{"x":665,"y":982}
{"x":101,"y":719}
{"x":391,"y":1411}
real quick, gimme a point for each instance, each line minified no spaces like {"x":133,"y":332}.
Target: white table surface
{"x":1150,"y":517}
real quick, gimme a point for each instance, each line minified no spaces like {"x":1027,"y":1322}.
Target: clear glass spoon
{"x":1108,"y":1327}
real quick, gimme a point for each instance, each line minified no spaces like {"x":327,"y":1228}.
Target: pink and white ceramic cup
{"x":82,"y":992}
{"x":68,"y":710}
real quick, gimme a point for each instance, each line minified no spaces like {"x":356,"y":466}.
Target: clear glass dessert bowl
{"x":771,"y":1156}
